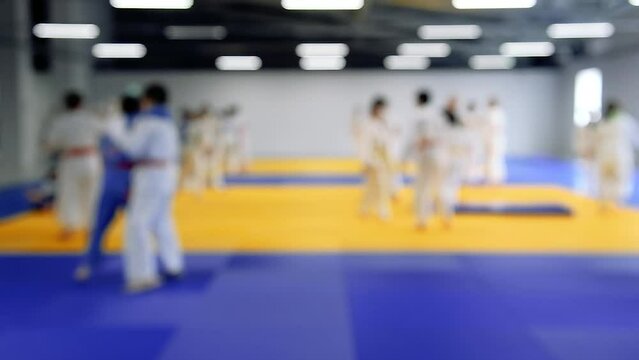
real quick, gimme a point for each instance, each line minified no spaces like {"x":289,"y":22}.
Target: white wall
{"x":621,"y":81}
{"x":295,"y":113}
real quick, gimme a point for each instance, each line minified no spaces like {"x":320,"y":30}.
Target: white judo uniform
{"x":495,"y":150}
{"x":617,"y":139}
{"x":75,"y":135}
{"x":460,"y":150}
{"x":585,"y":148}
{"x":476,"y":126}
{"x":427,"y":148}
{"x":376,"y":156}
{"x":228,"y":148}
{"x":153,"y":144}
{"x":441,"y":154}
{"x":198,"y":153}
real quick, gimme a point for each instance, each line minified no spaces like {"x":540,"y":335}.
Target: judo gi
{"x":113,"y":197}
{"x":75,"y":137}
{"x":617,"y":138}
{"x":378,"y":168}
{"x":153,"y":144}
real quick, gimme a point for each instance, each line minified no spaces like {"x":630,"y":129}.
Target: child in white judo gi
{"x":438,"y":148}
{"x":198,"y":151}
{"x":378,"y":165}
{"x":153,"y":144}
{"x":617,"y":138}
{"x":460,"y":152}
{"x":427,"y":149}
{"x":585,"y":149}
{"x":74,"y":136}
{"x":476,"y":125}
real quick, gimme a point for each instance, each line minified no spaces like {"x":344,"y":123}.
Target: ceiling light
{"x":152,"y":4}
{"x":195,"y":32}
{"x":66,"y":31}
{"x":527,"y":49}
{"x":449,"y":32}
{"x":119,"y":51}
{"x":583,"y":30}
{"x":494,"y":4}
{"x":238,"y":63}
{"x":634,"y":2}
{"x":398,"y":62}
{"x":322,"y":4}
{"x":303,"y":50}
{"x":491,"y":62}
{"x":323,"y":63}
{"x":424,"y":49}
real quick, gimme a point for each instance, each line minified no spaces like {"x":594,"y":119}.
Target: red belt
{"x":150,"y":163}
{"x":125,"y":165}
{"x":79,"y":151}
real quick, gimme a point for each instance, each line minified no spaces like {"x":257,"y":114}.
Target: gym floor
{"x":281,"y":266}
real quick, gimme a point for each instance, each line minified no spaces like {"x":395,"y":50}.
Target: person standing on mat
{"x":475,"y":124}
{"x":458,"y":141}
{"x":74,"y":136}
{"x":617,"y":138}
{"x":153,"y":144}
{"x":114,"y":192}
{"x":378,"y":164}
{"x":428,"y":149}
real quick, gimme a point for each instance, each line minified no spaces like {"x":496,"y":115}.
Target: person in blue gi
{"x":114,"y":192}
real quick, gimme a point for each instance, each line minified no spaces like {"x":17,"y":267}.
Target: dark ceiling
{"x":265,"y":29}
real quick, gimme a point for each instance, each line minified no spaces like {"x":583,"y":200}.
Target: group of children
{"x":446,"y":146}
{"x":606,"y":148}
{"x":214,"y":145}
{"x":134,"y":162}
{"x":134,"y":158}
{"x":129,"y":161}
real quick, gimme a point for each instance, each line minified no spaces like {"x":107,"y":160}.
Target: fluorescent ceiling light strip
{"x":433,"y":50}
{"x":323,"y":63}
{"x":238,"y":63}
{"x":527,"y":49}
{"x":398,"y":62}
{"x":634,"y":2}
{"x":152,"y":4}
{"x":326,"y":49}
{"x":195,"y":32}
{"x":449,"y":32}
{"x":581,"y":30}
{"x":494,"y":4}
{"x":66,"y":31}
{"x":322,"y":4}
{"x":491,"y":62}
{"x":118,"y":51}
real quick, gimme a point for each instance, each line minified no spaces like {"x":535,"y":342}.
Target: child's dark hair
{"x":378,"y":103}
{"x":423,"y":97}
{"x":156,"y":93}
{"x":130,"y":105}
{"x":72,"y":100}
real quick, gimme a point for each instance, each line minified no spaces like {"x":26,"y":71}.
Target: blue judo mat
{"x":337,"y":307}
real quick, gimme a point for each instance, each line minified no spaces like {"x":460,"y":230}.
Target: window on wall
{"x":588,"y":96}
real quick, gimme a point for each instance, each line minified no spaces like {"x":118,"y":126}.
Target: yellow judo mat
{"x":326,"y":219}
